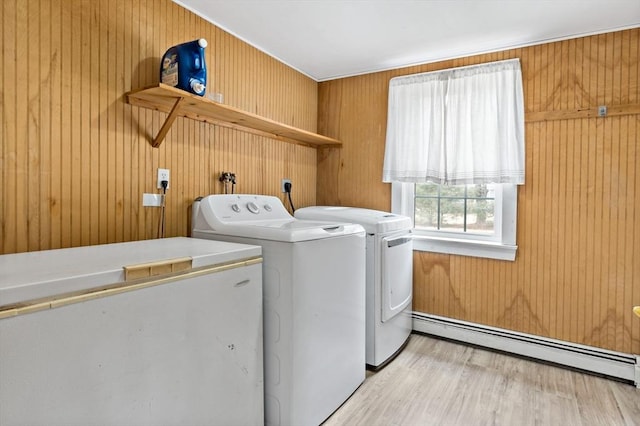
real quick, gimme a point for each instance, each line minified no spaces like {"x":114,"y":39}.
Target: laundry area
{"x":304,"y":213}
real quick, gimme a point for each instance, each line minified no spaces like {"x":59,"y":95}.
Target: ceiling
{"x":328,"y":39}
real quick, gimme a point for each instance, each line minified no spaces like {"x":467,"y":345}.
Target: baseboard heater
{"x":616,"y":365}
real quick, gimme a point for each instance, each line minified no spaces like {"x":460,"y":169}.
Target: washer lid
{"x":373,"y":221}
{"x":290,"y":231}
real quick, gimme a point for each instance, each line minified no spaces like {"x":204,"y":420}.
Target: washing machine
{"x":389,"y":276}
{"x":313,"y":302}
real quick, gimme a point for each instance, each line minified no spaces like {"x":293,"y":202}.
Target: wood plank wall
{"x":75,"y":159}
{"x":577,"y":271}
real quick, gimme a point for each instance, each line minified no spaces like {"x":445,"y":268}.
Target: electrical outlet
{"x":282,"y":184}
{"x":163,"y":174}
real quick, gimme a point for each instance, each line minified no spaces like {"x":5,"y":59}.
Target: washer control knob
{"x":253,"y":208}
{"x":267,"y":207}
{"x":235,"y":208}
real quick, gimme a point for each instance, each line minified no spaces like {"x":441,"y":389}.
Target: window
{"x":463,"y":129}
{"x":472,"y":220}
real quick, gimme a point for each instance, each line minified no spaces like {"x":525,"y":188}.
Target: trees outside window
{"x":456,"y":208}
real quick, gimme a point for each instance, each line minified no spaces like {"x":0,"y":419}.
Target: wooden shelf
{"x":178,"y":103}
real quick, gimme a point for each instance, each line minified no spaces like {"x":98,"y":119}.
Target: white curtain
{"x":457,"y":126}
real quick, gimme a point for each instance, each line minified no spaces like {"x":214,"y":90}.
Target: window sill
{"x":490,"y":250}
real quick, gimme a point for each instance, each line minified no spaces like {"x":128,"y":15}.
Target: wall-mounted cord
{"x":161,"y":225}
{"x":233,"y":183}
{"x":287,"y":189}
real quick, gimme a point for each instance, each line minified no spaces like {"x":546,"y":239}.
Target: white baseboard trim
{"x":601,"y":361}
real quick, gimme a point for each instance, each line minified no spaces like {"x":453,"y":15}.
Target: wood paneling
{"x":577,"y":275}
{"x":75,"y":159}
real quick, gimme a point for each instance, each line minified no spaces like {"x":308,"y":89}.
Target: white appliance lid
{"x":261,"y":217}
{"x":373,"y":221}
{"x":40,"y":274}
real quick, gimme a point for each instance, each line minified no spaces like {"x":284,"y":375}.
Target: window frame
{"x":501,"y":245}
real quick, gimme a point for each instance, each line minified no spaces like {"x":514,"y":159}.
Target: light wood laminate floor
{"x":438,"y":382}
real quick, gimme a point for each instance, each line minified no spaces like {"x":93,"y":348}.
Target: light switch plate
{"x":151,"y":200}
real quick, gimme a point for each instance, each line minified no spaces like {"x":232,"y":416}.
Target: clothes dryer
{"x":389,"y":276}
{"x":314,"y":302}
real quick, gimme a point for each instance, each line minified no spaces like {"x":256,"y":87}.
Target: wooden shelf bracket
{"x":168,"y":123}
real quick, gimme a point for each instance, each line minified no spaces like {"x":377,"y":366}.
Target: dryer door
{"x":397,"y":274}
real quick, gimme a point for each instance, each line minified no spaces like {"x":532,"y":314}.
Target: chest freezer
{"x":144,"y":333}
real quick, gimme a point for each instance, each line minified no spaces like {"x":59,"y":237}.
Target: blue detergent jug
{"x":183,"y":67}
